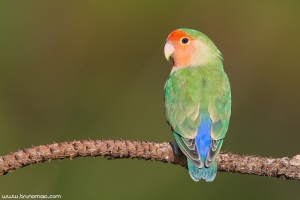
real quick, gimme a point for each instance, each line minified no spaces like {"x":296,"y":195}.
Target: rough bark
{"x":284,"y":168}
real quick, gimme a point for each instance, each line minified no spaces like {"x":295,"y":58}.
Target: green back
{"x":192,"y":90}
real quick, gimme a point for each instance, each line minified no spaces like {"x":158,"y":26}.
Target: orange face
{"x":183,"y":48}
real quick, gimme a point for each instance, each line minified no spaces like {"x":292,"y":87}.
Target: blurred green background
{"x":80,"y":69}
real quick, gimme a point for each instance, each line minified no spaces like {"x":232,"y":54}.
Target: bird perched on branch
{"x":197,"y":100}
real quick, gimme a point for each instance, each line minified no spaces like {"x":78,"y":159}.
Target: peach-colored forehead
{"x":177,"y":35}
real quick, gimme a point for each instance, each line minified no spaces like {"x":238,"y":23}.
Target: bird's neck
{"x":215,"y":64}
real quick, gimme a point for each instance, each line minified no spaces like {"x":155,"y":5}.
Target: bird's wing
{"x":185,"y":124}
{"x":182,"y":113}
{"x":220,"y":110}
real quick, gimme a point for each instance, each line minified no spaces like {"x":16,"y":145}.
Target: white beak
{"x":168,"y":50}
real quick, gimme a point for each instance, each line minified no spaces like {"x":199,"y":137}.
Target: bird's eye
{"x":185,"y":40}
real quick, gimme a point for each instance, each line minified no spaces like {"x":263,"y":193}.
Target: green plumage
{"x":197,"y":100}
{"x":191,"y":90}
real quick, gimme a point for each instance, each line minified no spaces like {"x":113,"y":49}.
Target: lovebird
{"x":197,"y":100}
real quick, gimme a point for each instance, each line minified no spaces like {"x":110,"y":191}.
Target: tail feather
{"x":207,"y":173}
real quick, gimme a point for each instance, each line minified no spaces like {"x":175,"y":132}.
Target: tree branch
{"x":284,"y":168}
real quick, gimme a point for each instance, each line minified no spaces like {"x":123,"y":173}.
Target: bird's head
{"x":189,"y":48}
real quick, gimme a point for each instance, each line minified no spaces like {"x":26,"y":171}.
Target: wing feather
{"x":190,"y":151}
{"x":220,"y":110}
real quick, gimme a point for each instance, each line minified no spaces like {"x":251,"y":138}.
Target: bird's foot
{"x":176,"y":149}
